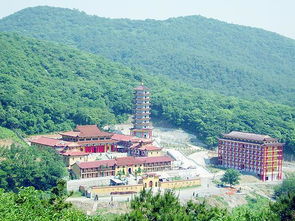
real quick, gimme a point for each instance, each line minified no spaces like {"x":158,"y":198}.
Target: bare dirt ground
{"x":6,"y":142}
{"x":91,"y":207}
{"x":167,"y":137}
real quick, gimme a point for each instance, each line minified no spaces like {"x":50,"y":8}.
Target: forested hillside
{"x":49,"y":87}
{"x":205,"y":53}
{"x":22,"y":165}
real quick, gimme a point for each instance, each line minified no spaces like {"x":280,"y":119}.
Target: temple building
{"x":90,"y":139}
{"x":125,"y":142}
{"x":125,"y":165}
{"x":258,"y":154}
{"x":144,"y":150}
{"x":141,"y":113}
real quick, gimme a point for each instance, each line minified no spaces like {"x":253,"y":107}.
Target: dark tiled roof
{"x":124,"y":161}
{"x":149,"y":148}
{"x":157,"y":159}
{"x":248,"y":136}
{"x":123,"y":137}
{"x":95,"y":164}
{"x":127,"y":161}
{"x":87,"y":131}
{"x":52,"y":142}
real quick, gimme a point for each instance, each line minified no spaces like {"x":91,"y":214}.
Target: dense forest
{"x":205,"y":53}
{"x":48,"y":87}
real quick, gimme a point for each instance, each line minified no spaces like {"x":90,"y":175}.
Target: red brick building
{"x":258,"y":154}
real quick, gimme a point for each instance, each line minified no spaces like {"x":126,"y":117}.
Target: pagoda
{"x":141,"y":113}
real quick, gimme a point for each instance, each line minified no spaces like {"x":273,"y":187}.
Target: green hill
{"x":48,"y":87}
{"x":205,"y":53}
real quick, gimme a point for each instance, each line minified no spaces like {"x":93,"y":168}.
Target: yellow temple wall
{"x":105,"y":190}
{"x":180,"y":183}
{"x":109,"y":189}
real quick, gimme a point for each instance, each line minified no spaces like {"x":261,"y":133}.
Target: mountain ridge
{"x":229,"y":59}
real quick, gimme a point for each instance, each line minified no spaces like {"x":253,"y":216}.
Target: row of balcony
{"x":244,"y":152}
{"x":250,"y":151}
{"x":141,"y":118}
{"x":252,"y":162}
{"x":247,"y":155}
{"x":141,"y":113}
{"x":142,"y":93}
{"x":137,"y":98}
{"x":142,"y":109}
{"x":142,"y":103}
{"x":142,"y":124}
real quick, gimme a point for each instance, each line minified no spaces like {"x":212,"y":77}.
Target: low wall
{"x":180,"y":183}
{"x":116,"y":189}
{"x":73,"y":185}
{"x":106,"y":190}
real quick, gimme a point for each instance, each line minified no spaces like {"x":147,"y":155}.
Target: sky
{"x":272,"y":15}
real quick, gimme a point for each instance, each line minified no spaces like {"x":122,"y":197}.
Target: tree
{"x":231,"y":176}
{"x":147,"y":206}
{"x":167,"y":206}
{"x":285,"y":207}
{"x":31,"y":204}
{"x":23,"y":166}
{"x":287,"y":186}
{"x":137,"y":172}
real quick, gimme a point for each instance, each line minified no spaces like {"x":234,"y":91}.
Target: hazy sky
{"x":273,"y":15}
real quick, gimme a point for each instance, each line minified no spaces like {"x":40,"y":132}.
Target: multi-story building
{"x":141,"y":113}
{"x":125,"y":165}
{"x":258,"y":154}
